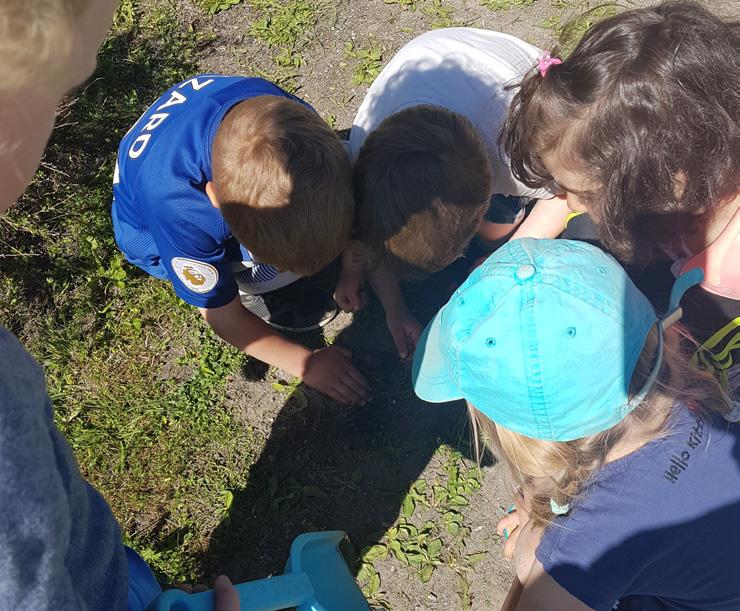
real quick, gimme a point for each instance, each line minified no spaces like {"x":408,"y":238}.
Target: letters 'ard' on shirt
{"x":162,"y":217}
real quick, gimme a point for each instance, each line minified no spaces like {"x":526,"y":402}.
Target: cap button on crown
{"x":524,"y":272}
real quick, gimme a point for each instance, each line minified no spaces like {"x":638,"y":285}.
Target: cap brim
{"x":429,"y":375}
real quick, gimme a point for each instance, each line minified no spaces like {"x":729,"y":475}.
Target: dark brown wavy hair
{"x":646,"y":107}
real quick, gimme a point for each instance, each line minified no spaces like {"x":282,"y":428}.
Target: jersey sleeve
{"x":192,"y":248}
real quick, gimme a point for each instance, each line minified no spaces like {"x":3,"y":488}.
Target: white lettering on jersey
{"x":137,"y":148}
{"x":196,"y":84}
{"x":175,"y":99}
{"x":140,"y":144}
{"x":197,"y":276}
{"x":156,"y":120}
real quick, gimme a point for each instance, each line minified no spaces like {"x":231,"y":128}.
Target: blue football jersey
{"x":162,"y":218}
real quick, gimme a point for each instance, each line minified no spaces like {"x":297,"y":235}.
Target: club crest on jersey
{"x":197,"y":276}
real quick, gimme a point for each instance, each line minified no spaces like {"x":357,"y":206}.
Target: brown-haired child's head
{"x":423,"y":182}
{"x":283,"y":182}
{"x":643,"y":118}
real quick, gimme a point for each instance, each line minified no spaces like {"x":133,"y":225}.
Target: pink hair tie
{"x":546,"y":61}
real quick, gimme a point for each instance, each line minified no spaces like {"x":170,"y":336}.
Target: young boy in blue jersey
{"x":240,"y":195}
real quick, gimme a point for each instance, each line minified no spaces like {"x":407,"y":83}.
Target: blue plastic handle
{"x":280,"y":592}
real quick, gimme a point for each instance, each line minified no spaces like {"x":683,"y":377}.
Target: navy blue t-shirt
{"x":659,"y":528}
{"x":163,"y":221}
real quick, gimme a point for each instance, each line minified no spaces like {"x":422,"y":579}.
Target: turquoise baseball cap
{"x":543,"y":339}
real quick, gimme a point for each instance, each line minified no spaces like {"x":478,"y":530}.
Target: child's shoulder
{"x":693,"y":458}
{"x":188,"y":113}
{"x":652,"y":513}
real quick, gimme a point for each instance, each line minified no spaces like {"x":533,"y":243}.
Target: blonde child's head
{"x":639,"y":125}
{"x":50,"y":42}
{"x":47,"y":47}
{"x":423,"y":182}
{"x":562,"y":362}
{"x":283,"y":182}
{"x":559,"y":470}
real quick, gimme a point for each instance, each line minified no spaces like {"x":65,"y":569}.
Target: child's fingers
{"x":399,"y":339}
{"x":413,"y":335}
{"x":510,"y":542}
{"x":343,"y":301}
{"x":227,"y":598}
{"x":350,"y":394}
{"x":508,"y":522}
{"x":337,"y":393}
{"x":342,"y":350}
{"x":357,"y":380}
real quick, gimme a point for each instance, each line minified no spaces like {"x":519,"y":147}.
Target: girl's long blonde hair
{"x":559,"y":471}
{"x":36,"y":37}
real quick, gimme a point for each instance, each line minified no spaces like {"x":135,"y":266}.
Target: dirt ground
{"x":326,"y":467}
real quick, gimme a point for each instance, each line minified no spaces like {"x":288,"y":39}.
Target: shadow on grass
{"x":328,"y":467}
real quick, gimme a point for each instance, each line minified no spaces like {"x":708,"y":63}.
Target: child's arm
{"x":328,"y":370}
{"x":540,"y":592}
{"x":348,"y":294}
{"x":547,"y":219}
{"x":532,"y":589}
{"x":404,"y":328}
{"x":490,"y":233}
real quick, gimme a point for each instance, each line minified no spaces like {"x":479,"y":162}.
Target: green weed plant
{"x":505,"y":5}
{"x":216,"y":6}
{"x":423,"y":544}
{"x":369,"y":62}
{"x":576,"y":19}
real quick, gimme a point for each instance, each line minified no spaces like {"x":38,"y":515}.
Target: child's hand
{"x":349,"y":294}
{"x":520,"y":538}
{"x":227,"y":598}
{"x":510,"y":526}
{"x":330,"y":371}
{"x":405,"y":331}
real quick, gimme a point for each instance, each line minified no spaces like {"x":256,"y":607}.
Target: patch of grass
{"x":577,"y":18}
{"x":407,"y":4}
{"x":135,"y":376}
{"x":504,"y":5}
{"x":440,"y":14}
{"x":369,"y":62}
{"x":216,"y":6}
{"x":286,"y":26}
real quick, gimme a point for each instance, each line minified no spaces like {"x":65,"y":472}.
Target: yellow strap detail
{"x":570,"y":217}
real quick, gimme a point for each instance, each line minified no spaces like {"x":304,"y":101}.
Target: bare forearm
{"x":547,"y":220}
{"x":255,"y":337}
{"x":512,"y":598}
{"x":355,"y":257}
{"x":385,"y":284}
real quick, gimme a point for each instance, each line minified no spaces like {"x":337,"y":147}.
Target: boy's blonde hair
{"x":36,"y":38}
{"x":423,"y":181}
{"x":559,"y":471}
{"x":284,"y":183}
